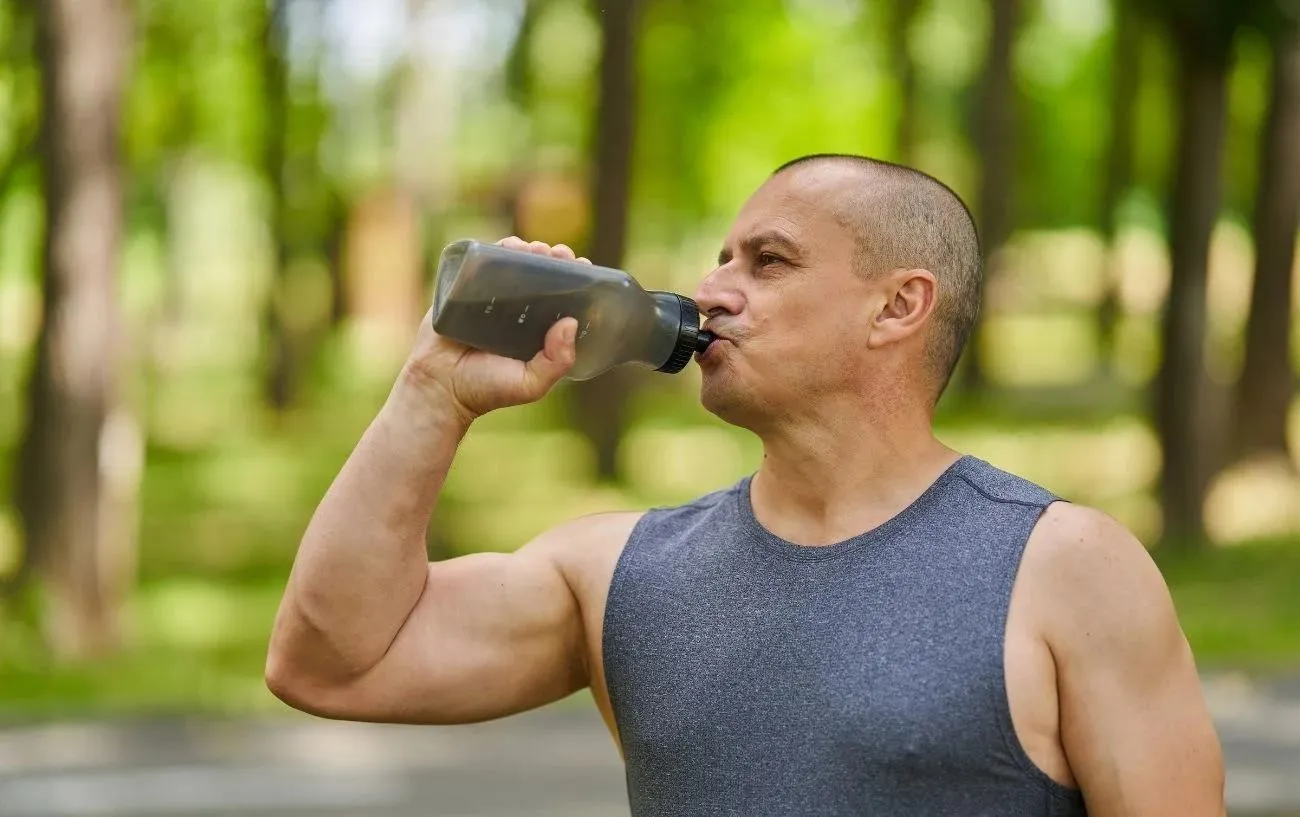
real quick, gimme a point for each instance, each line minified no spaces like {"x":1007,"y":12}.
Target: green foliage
{"x":196,"y":75}
{"x":1247,"y":101}
{"x":726,"y":92}
{"x":1063,"y":66}
{"x":1239,"y":606}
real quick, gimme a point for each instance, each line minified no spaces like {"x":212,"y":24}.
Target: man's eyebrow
{"x":757,"y":241}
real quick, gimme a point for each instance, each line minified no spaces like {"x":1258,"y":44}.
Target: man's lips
{"x":708,"y":350}
{"x":713,"y":330}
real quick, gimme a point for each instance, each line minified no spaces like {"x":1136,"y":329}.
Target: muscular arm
{"x":1134,"y":724}
{"x":368,"y":629}
{"x":361,"y":565}
{"x":491,"y":634}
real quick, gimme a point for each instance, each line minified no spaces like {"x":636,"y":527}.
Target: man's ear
{"x":910,"y":298}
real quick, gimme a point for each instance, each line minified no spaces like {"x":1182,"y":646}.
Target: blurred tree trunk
{"x":1124,"y":79}
{"x":994,"y":142}
{"x":1186,"y":435}
{"x":1267,"y":382}
{"x":284,"y":355}
{"x":520,"y":90}
{"x":518,"y":75}
{"x":335,"y":238}
{"x":79,"y":458}
{"x":902,"y":15}
{"x":601,"y":405}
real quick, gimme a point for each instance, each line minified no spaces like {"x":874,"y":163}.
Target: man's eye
{"x":766,"y":259}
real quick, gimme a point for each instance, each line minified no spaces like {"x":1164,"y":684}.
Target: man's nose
{"x":715,"y":295}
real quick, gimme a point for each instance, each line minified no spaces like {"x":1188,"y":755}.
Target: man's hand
{"x":476,"y":381}
{"x":1134,"y":723}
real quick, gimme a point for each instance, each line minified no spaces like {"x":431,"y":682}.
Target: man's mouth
{"x":714,"y":340}
{"x":713,"y":332}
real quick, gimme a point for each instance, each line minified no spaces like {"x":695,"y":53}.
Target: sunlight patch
{"x":1256,"y":499}
{"x":193,"y":614}
{"x":1039,"y":350}
{"x":679,"y":463}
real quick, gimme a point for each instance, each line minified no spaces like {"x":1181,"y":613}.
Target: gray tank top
{"x":753,"y":676}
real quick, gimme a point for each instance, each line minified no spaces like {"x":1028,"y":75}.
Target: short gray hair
{"x":906,"y":219}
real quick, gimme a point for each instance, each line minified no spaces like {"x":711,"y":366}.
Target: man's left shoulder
{"x":1134,"y":724}
{"x":1098,"y":584}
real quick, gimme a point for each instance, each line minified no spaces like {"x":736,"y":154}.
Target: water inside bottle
{"x":516,"y":327}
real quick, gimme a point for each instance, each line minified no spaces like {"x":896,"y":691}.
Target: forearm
{"x":362,"y":564}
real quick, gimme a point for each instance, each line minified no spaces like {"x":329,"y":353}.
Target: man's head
{"x":841,"y":275}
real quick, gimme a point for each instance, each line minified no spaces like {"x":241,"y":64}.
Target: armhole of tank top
{"x":615,"y":579}
{"x":1002,"y":697}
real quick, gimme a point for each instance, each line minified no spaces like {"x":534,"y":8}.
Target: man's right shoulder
{"x":578,"y":542}
{"x":606,"y":529}
{"x":585,"y":550}
{"x":595,"y":530}
{"x":592,"y":543}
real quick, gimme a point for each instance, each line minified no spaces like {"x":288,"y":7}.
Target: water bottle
{"x":504,"y":301}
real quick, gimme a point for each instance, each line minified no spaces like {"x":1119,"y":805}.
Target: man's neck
{"x":825,"y":481}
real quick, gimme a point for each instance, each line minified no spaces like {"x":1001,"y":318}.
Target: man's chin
{"x":722,"y":397}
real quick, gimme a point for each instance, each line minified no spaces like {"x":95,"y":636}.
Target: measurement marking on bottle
{"x":524,"y":314}
{"x":584,"y":329}
{"x":488,"y":310}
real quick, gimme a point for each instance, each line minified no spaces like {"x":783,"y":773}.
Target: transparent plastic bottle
{"x":504,"y":301}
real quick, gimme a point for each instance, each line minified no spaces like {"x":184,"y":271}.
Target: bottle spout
{"x":681,"y":323}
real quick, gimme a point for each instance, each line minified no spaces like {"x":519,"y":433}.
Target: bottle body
{"x":504,"y":301}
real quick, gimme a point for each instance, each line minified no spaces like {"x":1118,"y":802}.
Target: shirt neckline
{"x":796,"y":552}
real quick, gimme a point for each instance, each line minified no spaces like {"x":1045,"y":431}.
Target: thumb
{"x":555,"y":358}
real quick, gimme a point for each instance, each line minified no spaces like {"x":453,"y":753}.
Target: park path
{"x":554,"y":762}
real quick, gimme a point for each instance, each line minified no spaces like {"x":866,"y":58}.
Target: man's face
{"x":788,"y":302}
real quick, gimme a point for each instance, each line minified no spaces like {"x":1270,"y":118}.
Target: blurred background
{"x":219,"y":222}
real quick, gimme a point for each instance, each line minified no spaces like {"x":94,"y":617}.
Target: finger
{"x":563,"y":251}
{"x":584,"y":260}
{"x":514,"y":242}
{"x":539,"y":247}
{"x":555,"y":358}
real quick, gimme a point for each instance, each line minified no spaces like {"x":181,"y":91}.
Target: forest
{"x":220,"y":219}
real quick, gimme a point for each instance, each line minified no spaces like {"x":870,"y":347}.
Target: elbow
{"x":289,"y":674}
{"x":299,"y":691}
{"x":291,"y":683}
{"x":304,"y":691}
{"x":283,"y":682}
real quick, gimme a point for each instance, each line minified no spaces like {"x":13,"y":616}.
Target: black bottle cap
{"x":689,"y":337}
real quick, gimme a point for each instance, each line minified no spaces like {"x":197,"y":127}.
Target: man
{"x":871,"y":624}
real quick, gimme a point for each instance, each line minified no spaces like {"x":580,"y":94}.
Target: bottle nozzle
{"x":683,"y":318}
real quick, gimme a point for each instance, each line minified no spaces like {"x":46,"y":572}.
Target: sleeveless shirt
{"x":749,"y":675}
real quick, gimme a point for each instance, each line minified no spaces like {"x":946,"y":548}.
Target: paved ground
{"x":551,"y":763}
{"x":557,"y":762}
